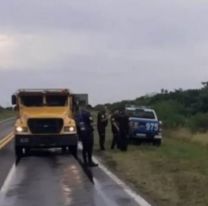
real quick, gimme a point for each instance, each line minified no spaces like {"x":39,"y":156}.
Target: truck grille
{"x":44,"y":126}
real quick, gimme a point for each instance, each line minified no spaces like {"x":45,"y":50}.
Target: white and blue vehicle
{"x":144,"y":125}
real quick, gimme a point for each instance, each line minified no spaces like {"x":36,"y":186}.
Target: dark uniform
{"x":115,"y":130}
{"x":123,"y":121}
{"x":102,"y":122}
{"x":85,"y":131}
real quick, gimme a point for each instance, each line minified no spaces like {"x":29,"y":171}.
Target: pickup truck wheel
{"x":139,"y":142}
{"x":130,"y":140}
{"x":157,"y":142}
{"x":18,"y":152}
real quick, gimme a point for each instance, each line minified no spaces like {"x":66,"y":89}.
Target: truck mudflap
{"x":47,"y":141}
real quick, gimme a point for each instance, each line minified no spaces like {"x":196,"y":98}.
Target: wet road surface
{"x":50,"y":178}
{"x":49,"y":181}
{"x":6,"y":127}
{"x":7,"y":157}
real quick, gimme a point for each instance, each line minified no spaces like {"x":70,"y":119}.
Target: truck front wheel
{"x":64,"y":149}
{"x":73,"y":150}
{"x":18,"y":151}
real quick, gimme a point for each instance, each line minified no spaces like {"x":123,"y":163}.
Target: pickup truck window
{"x":139,"y":113}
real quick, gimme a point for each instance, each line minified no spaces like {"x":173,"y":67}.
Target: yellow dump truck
{"x":46,"y":119}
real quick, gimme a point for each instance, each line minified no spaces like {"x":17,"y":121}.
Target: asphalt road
{"x":50,"y":178}
{"x":7,"y":157}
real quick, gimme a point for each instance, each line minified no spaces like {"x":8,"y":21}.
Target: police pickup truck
{"x":144,"y":125}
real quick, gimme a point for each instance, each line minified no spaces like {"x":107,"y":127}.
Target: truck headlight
{"x":70,"y":129}
{"x":21,"y":129}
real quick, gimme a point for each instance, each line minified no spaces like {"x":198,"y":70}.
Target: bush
{"x":198,"y":122}
{"x":171,"y":113}
{"x":176,"y":108}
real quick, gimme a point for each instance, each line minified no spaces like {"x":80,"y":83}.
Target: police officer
{"x":85,"y":131}
{"x":115,"y":129}
{"x":102,"y":122}
{"x":123,"y":121}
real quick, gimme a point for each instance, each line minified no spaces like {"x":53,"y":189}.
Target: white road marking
{"x":6,"y":120}
{"x":6,"y":140}
{"x":5,"y":186}
{"x":98,"y":188}
{"x":137,"y":198}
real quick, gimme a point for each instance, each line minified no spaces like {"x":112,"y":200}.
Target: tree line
{"x":178,"y":108}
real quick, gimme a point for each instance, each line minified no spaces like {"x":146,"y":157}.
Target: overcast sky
{"x":111,"y":49}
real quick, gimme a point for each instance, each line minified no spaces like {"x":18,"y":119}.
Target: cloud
{"x":34,"y":51}
{"x":111,"y":49}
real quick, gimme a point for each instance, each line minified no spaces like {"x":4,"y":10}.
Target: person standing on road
{"x":123,"y":122}
{"x":115,"y":129}
{"x":85,"y":132}
{"x":102,"y":122}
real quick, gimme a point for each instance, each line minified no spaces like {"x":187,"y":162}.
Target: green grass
{"x":174,"y":174}
{"x":6,"y":114}
{"x":186,"y":135}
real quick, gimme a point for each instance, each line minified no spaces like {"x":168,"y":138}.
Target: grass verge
{"x":174,"y":174}
{"x":6,"y":114}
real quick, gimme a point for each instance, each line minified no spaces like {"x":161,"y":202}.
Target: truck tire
{"x":64,"y":149}
{"x":18,"y":152}
{"x":26,"y":151}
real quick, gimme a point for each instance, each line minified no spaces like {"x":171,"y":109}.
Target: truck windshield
{"x":140,"y":113}
{"x":56,"y":100}
{"x":32,"y":101}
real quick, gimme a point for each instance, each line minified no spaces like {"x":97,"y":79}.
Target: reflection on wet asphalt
{"x":49,"y":181}
{"x":110,"y":190}
{"x":49,"y":178}
{"x":7,"y":158}
{"x":58,"y":180}
{"x":5,"y":128}
{"x":6,"y":154}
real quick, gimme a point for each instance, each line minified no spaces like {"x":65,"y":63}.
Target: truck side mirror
{"x":14,"y":100}
{"x":16,"y":108}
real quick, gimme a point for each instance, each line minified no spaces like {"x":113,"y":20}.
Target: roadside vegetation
{"x":174,"y":174}
{"x":6,"y":113}
{"x":177,"y":172}
{"x":179,"y":108}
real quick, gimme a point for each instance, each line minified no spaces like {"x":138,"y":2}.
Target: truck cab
{"x":45,"y":119}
